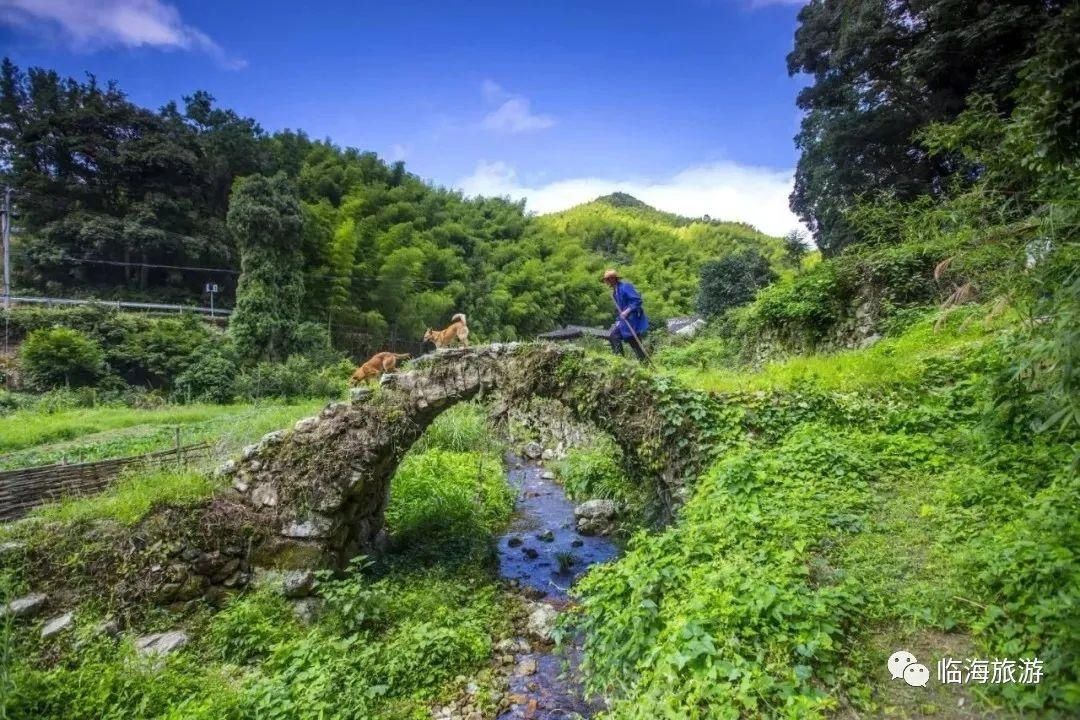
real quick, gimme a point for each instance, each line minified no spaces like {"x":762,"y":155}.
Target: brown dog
{"x":379,"y":363}
{"x":456,"y":330}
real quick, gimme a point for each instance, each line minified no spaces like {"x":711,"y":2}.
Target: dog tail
{"x":459,"y":317}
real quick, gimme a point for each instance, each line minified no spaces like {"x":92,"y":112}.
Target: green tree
{"x":59,"y":356}
{"x":732,"y":281}
{"x":266,"y":221}
{"x":795,"y":248}
{"x":211,"y":377}
{"x":883,"y":71}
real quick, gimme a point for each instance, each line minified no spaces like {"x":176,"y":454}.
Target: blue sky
{"x":685,"y":103}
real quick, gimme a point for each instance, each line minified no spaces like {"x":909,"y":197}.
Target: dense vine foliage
{"x":904,"y":514}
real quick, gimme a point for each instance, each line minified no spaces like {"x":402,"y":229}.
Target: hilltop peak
{"x":623,"y":200}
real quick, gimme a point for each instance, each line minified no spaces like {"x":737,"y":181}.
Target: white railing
{"x":118,"y":304}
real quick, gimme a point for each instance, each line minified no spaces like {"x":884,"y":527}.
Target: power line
{"x":121,"y":263}
{"x":230,"y":271}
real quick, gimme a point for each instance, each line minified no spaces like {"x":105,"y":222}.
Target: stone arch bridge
{"x":321,"y":489}
{"x":314,"y":496}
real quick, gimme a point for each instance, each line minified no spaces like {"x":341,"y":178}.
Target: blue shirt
{"x":627,"y":296}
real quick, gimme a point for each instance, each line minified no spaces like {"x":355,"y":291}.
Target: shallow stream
{"x":544,"y":554}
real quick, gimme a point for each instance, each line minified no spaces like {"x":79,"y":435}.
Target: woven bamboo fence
{"x":21,"y":490}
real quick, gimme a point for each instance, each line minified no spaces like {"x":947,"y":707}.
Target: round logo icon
{"x":898,"y":661}
{"x":916,"y":675}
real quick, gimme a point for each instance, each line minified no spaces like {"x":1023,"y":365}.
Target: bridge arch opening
{"x":323,"y":487}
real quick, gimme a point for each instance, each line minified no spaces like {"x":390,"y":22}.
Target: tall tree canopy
{"x":266,"y":220}
{"x":882,"y":71}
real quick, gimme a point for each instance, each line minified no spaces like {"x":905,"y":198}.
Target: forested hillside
{"x":118,"y":201}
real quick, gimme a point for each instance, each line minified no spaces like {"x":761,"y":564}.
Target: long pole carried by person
{"x":633,"y":333}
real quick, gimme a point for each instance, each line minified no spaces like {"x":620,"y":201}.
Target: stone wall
{"x":549,"y":424}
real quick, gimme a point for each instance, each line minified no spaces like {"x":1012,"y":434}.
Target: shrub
{"x":700,"y":352}
{"x":732,"y":281}
{"x":156,"y":352}
{"x":250,"y":627}
{"x":61,"y":357}
{"x":10,"y":402}
{"x":141,"y":349}
{"x":802,"y":310}
{"x":212,"y":377}
{"x":297,"y":377}
{"x":718,"y":611}
{"x":312,"y":340}
{"x":595,"y":472}
{"x":90,"y":319}
{"x":795,"y":248}
{"x":109,"y":681}
{"x":1043,"y":383}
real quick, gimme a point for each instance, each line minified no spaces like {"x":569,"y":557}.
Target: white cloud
{"x":92,"y":24}
{"x":724,"y":191}
{"x":514,"y":114}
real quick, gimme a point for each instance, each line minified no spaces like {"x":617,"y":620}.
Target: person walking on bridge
{"x":630,"y":323}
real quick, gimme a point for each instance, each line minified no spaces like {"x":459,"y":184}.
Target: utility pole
{"x":7,"y":247}
{"x":211,"y":288}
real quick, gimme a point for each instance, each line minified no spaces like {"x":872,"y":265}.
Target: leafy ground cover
{"x":894,"y":363}
{"x":831,"y":539}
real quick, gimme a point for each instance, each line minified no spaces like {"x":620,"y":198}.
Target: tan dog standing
{"x":378,"y":364}
{"x":456,"y":330}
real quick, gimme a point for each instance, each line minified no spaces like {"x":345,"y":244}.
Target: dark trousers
{"x":616,"y":339}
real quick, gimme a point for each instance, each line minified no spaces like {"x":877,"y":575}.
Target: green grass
{"x":891,"y":363}
{"x":133,"y":495}
{"x":450,"y":493}
{"x":802,"y":560}
{"x":24,"y":429}
{"x":99,"y":433}
{"x":391,"y":642}
{"x":479,"y":493}
{"x":140,"y":488}
{"x":462,"y":428}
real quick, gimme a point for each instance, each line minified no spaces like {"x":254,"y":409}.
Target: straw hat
{"x":610,"y":275}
